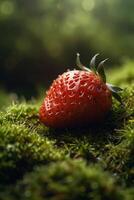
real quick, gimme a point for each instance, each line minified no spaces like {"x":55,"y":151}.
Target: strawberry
{"x":78,"y":97}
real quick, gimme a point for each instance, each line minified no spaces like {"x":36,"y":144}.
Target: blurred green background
{"x":39,"y":39}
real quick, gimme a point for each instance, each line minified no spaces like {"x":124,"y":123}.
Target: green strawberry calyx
{"x":99,"y":70}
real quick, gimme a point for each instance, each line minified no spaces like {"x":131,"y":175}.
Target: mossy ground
{"x":38,"y":163}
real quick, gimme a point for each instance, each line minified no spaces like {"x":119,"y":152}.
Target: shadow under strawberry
{"x":106,"y":129}
{"x":90,"y":142}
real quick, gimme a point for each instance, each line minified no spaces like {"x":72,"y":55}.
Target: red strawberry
{"x":78,"y":97}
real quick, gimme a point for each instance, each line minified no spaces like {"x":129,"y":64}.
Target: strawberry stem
{"x":93,"y":63}
{"x":101,"y":71}
{"x":79,"y":64}
{"x":115,"y":92}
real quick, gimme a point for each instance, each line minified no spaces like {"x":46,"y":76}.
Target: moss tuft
{"x":21,"y":147}
{"x":71,"y":179}
{"x":21,"y":113}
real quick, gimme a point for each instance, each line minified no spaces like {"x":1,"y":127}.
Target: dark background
{"x":39,"y":38}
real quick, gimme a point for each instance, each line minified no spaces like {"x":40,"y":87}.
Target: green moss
{"x":78,"y":155}
{"x":21,"y":147}
{"x":21,"y":113}
{"x":71,"y":179}
{"x":109,"y":144}
{"x":119,"y":157}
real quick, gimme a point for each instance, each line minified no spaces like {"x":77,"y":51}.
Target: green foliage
{"x":70,"y":20}
{"x":122,"y":75}
{"x":5,"y":99}
{"x":45,"y":36}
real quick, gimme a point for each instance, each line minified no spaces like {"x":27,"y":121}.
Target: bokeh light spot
{"x":7,"y":8}
{"x":88,"y":5}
